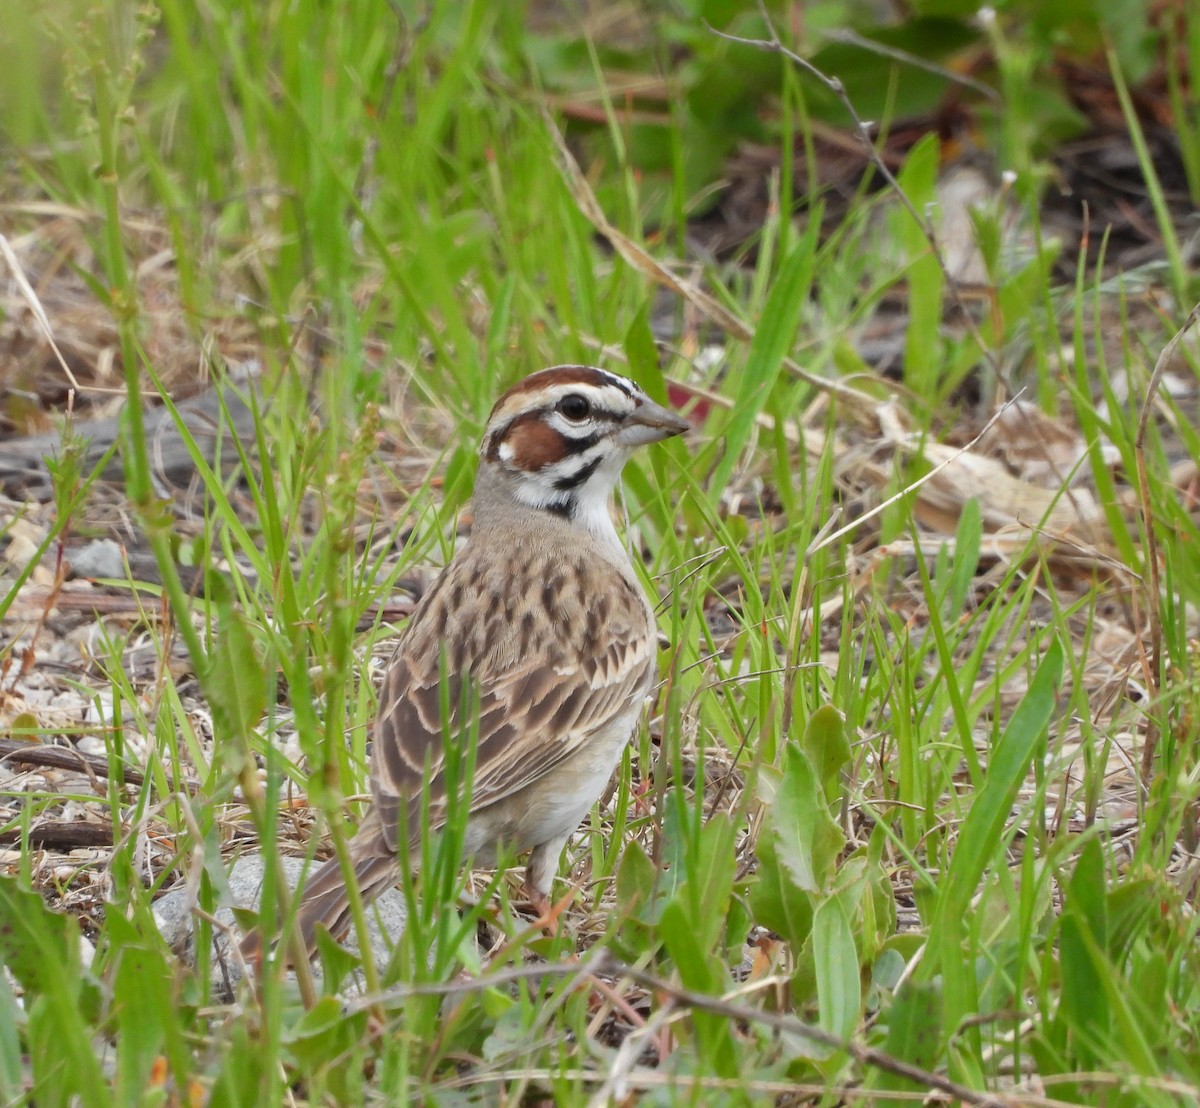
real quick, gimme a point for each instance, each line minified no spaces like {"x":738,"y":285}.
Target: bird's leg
{"x":539,"y":876}
{"x":548,"y":911}
{"x":538,"y":900}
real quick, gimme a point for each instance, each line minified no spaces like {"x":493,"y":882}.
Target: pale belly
{"x":554,"y":805}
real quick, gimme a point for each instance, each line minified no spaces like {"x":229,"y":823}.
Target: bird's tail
{"x":324,"y":900}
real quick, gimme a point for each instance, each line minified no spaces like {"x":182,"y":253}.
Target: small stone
{"x":101,"y":558}
{"x":175,"y":915}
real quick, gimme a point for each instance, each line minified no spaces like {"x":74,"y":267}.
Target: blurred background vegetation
{"x":923,"y":768}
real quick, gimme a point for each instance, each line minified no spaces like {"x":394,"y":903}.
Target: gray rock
{"x":175,"y":914}
{"x":98,"y":558}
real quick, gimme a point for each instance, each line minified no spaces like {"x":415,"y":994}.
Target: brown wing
{"x":518,"y":642}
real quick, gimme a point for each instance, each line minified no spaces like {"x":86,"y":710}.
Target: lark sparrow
{"x":541,"y":620}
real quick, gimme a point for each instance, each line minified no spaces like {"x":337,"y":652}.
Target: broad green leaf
{"x":1082,"y":930}
{"x":642,"y":354}
{"x":1149,"y":979}
{"x":914,"y":1031}
{"x":888,"y":970}
{"x":337,"y":963}
{"x":509,"y":1034}
{"x":141,"y":1002}
{"x":807,"y":841}
{"x":1122,"y":1009}
{"x":680,"y":936}
{"x":39,"y":947}
{"x":1084,"y":1000}
{"x":41,"y":950}
{"x":323,"y":1031}
{"x":636,"y":881}
{"x":878,"y":87}
{"x":1087,"y":891}
{"x":776,"y":900}
{"x":882,"y":894}
{"x":1132,"y":907}
{"x":828,"y":750}
{"x":11,"y":1019}
{"x":1020,"y":292}
{"x":710,"y":882}
{"x":855,"y":887}
{"x":839,"y":987}
{"x":698,"y":971}
{"x":325,"y":1041}
{"x":923,"y":341}
{"x":673,"y":847}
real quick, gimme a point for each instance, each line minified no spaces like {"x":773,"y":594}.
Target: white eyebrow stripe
{"x":606,"y":414}
{"x":601,"y":397}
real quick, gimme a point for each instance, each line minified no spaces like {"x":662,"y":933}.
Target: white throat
{"x":594,"y":515}
{"x":585,"y":506}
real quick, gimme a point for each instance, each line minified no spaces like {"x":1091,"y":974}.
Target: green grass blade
{"x":980,"y":842}
{"x":772,"y":342}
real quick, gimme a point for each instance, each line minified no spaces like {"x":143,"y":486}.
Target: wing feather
{"x":540,"y":668}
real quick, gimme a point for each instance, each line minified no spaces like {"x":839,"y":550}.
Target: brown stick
{"x":601,"y":962}
{"x":63,"y":836}
{"x":62,"y":757}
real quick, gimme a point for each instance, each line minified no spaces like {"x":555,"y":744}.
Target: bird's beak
{"x":651,"y":422}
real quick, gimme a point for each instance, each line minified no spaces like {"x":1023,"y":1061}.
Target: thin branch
{"x":601,"y":962}
{"x":62,"y":836}
{"x":778,"y":1021}
{"x":62,"y":757}
{"x":872,"y":46}
{"x":775,"y":45}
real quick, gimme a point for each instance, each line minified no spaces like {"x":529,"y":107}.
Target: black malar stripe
{"x":574,"y":480}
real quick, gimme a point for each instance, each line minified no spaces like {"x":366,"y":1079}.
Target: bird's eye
{"x":575,"y":407}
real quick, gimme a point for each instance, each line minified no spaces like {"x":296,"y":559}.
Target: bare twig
{"x":63,"y":835}
{"x":62,"y":757}
{"x":915,"y":61}
{"x":601,"y":962}
{"x":778,"y":1021}
{"x":775,"y":45}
